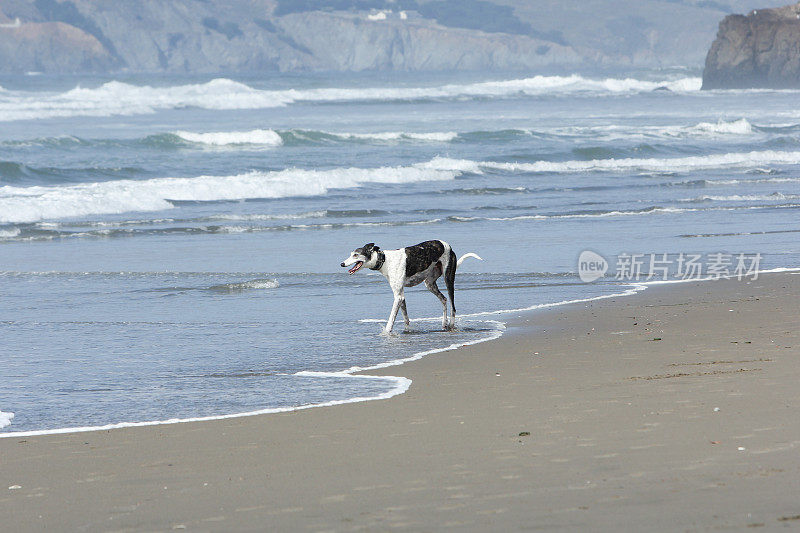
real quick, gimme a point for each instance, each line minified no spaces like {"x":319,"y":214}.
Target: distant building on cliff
{"x":388,"y":14}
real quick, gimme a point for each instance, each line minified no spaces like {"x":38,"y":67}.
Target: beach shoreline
{"x":358,"y":372}
{"x":675,"y":404}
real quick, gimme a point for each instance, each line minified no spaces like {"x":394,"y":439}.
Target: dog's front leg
{"x":399,"y":298}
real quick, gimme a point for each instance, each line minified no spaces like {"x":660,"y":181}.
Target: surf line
{"x":401,"y":384}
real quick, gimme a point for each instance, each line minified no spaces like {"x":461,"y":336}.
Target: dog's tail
{"x":470,"y":254}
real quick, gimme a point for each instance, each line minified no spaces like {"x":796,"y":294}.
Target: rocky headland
{"x":757,"y":50}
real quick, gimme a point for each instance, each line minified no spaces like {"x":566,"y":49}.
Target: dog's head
{"x":367,"y":256}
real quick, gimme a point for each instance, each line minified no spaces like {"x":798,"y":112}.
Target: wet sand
{"x":674,"y":409}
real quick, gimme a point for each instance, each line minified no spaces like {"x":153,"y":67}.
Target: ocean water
{"x":170,"y":246}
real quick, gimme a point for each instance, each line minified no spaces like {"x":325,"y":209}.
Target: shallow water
{"x":169,"y":247}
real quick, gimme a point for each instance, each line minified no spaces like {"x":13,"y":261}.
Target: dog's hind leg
{"x":434,"y":288}
{"x":405,"y":312}
{"x":450,"y":282}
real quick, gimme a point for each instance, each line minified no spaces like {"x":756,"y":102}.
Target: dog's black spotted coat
{"x":420,"y":256}
{"x":367,"y":249}
{"x":410,"y":266}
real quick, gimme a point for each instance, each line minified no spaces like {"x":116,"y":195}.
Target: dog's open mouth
{"x":357,"y":266}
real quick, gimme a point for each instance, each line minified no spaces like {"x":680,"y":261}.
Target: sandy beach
{"x":675,"y":409}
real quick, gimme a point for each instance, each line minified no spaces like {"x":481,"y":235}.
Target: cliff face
{"x":761,"y":49}
{"x":210,"y":36}
{"x":345,"y":42}
{"x":199,"y":36}
{"x":192,"y":36}
{"x":51,"y":47}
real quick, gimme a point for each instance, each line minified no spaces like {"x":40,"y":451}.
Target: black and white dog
{"x":411,"y":266}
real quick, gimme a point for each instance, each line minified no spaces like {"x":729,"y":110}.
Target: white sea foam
{"x":738,"y":127}
{"x":362,"y":224}
{"x":400,"y":385}
{"x":260,"y":284}
{"x":269,"y":137}
{"x":5,"y":419}
{"x":255,"y":284}
{"x":435,"y":136}
{"x":604,"y":214}
{"x":729,"y":160}
{"x":535,"y":85}
{"x":640,"y":212}
{"x":32,"y":204}
{"x":759,"y":180}
{"x":225,"y":138}
{"x":260,"y":216}
{"x":571,"y":84}
{"x":702,"y":129}
{"x":742,"y":198}
{"x":614,"y":132}
{"x":118,"y":98}
{"x":9,"y":233}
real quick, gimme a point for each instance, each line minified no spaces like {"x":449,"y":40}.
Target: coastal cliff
{"x":211,"y":36}
{"x":757,"y":50}
{"x":256,"y":35}
{"x":50,"y":46}
{"x":340,"y":41}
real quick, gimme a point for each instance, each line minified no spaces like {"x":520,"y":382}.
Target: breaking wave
{"x":119,"y":98}
{"x":313,"y":136}
{"x":742,"y":198}
{"x":36,"y":203}
{"x":225,"y":138}
{"x":615,"y":132}
{"x":739,"y":127}
{"x":299,"y":137}
{"x":32,"y":204}
{"x":675,"y":164}
{"x":242,"y":139}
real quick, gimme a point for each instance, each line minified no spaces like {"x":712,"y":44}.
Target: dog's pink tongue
{"x":356,"y":267}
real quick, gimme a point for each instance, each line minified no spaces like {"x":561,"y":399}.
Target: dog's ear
{"x":368,"y":249}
